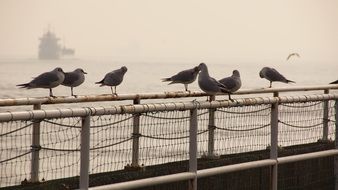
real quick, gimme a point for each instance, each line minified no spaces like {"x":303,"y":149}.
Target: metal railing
{"x":152,"y":96}
{"x":192,"y":111}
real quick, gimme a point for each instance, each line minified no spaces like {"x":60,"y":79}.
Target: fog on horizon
{"x":175,"y":30}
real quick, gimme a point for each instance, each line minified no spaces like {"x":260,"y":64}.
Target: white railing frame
{"x":147,"y":96}
{"x":85,"y":113}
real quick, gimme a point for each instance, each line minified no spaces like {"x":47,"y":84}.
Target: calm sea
{"x":145,"y":77}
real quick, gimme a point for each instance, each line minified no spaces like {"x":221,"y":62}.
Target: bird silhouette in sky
{"x":292,"y":55}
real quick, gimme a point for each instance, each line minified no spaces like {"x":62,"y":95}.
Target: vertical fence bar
{"x":211,"y":128}
{"x":193,"y":148}
{"x":136,"y":136}
{"x":274,"y":143}
{"x":84,"y":157}
{"x":326,"y":118}
{"x":35,"y":148}
{"x":336,"y":143}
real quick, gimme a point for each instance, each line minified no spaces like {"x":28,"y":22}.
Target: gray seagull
{"x":232,"y":83}
{"x":113,"y":78}
{"x":48,"y":80}
{"x":273,"y":75}
{"x":74,"y":79}
{"x":208,"y":84}
{"x":184,"y":77}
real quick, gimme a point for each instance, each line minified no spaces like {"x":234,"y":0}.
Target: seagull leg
{"x":72,"y":94}
{"x":270,"y":84}
{"x":51,"y":93}
{"x":112,"y":92}
{"x":230,"y":97}
{"x":186,"y":88}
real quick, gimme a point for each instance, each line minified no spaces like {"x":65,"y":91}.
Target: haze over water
{"x":156,"y":39}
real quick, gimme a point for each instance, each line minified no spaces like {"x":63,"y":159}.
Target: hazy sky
{"x":220,"y":30}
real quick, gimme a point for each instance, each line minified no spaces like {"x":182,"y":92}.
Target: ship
{"x":49,"y":47}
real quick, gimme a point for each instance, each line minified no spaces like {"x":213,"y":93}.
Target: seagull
{"x":232,"y":83}
{"x":185,"y":77}
{"x":291,"y":55}
{"x":273,"y":75}
{"x":334,"y":82}
{"x":74,"y":79}
{"x":208,"y":84}
{"x":49,"y":80}
{"x":113,"y":78}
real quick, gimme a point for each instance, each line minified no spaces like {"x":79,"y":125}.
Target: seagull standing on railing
{"x":74,"y":79}
{"x":273,"y":75}
{"x":48,"y":80}
{"x":184,"y":77}
{"x":208,"y":84}
{"x":113,"y":79}
{"x":232,"y":83}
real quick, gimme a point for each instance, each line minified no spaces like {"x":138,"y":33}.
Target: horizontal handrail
{"x":144,"y":96}
{"x":308,"y":156}
{"x":140,"y":108}
{"x":214,"y":171}
{"x":235,"y":167}
{"x":148,"y":182}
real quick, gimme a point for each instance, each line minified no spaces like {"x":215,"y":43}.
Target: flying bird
{"x":184,"y":77}
{"x":74,"y":79}
{"x":273,"y":75}
{"x":208,"y":84}
{"x":232,"y":83}
{"x":291,"y":55}
{"x":113,"y":79}
{"x":48,"y":80}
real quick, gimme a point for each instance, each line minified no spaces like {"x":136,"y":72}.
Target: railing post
{"x":193,"y":148}
{"x":211,"y":128}
{"x":326,"y":118}
{"x":84,"y":157}
{"x":336,"y":143}
{"x":136,"y":135}
{"x":274,"y":143}
{"x":35,"y":148}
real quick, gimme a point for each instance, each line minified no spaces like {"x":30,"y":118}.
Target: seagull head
{"x":58,"y":69}
{"x":79,"y":70}
{"x":196,"y":69}
{"x":236,"y":73}
{"x":202,"y":66}
{"x":124,"y":69}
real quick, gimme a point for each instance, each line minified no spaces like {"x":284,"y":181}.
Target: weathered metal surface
{"x":164,"y":95}
{"x":140,"y":108}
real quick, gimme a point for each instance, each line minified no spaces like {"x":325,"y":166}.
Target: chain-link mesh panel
{"x":301,"y":123}
{"x":110,"y":142}
{"x":242,"y":129}
{"x":60,"y":148}
{"x":15,"y":151}
{"x":164,"y":137}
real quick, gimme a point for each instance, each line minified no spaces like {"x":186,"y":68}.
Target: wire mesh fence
{"x":163,"y":137}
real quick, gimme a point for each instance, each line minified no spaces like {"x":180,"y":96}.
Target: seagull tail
{"x":166,"y":79}
{"x":225,"y":90}
{"x":26,"y":85}
{"x":288,"y":81}
{"x":334,"y":82}
{"x":100,"y":82}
